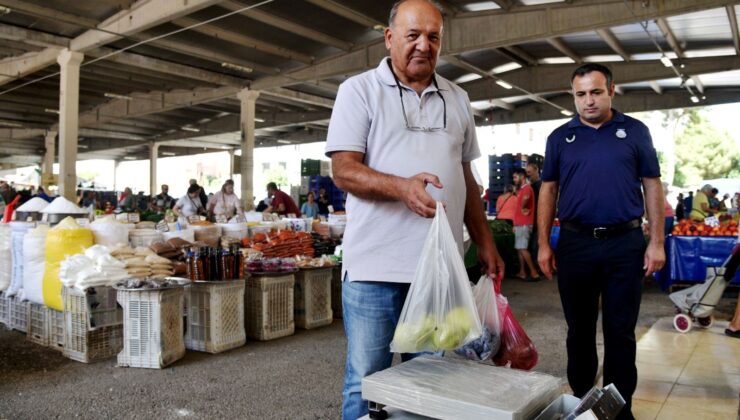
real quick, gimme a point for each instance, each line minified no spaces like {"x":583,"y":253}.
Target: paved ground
{"x":297,"y":377}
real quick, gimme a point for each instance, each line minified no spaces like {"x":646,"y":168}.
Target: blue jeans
{"x":371,"y":311}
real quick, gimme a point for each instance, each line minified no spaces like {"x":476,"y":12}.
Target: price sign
{"x":194,"y":219}
{"x":134,"y":218}
{"x":162,"y":226}
{"x":221,"y":218}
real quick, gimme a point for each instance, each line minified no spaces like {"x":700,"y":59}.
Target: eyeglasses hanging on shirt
{"x":403,"y":107}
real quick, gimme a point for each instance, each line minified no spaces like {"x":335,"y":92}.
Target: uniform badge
{"x":621,"y":133}
{"x":570,"y":139}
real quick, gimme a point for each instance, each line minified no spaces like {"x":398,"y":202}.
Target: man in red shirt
{"x":281,"y":203}
{"x":523,"y":222}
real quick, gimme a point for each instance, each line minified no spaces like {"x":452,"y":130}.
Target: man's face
{"x":414,"y":40}
{"x":165,"y":189}
{"x":593,"y":98}
{"x":532,"y":171}
{"x":518,"y":180}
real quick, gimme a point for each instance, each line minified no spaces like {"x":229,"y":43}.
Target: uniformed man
{"x":599,"y":163}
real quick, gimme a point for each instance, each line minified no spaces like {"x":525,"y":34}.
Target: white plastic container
{"x":215,"y":321}
{"x":152,"y":327}
{"x":234,"y":230}
{"x":144,"y":237}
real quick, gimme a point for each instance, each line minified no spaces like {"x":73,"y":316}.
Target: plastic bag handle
{"x":497,"y":283}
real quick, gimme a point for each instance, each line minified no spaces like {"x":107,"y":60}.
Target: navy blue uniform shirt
{"x":600,"y":171}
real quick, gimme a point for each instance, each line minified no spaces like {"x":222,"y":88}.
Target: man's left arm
{"x":475,"y":220}
{"x":654,"y":202}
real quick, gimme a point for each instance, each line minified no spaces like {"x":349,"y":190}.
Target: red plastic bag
{"x":516,"y":347}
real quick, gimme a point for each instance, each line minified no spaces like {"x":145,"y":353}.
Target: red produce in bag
{"x":516,"y":347}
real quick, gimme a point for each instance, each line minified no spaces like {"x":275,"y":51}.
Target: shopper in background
{"x":713,"y":200}
{"x":42,"y":194}
{"x":700,"y":203}
{"x":506,"y":205}
{"x":533,"y":175}
{"x":89,"y":198}
{"x":189,"y":204}
{"x":7,"y":191}
{"x":126,"y":202}
{"x":281,"y":203}
{"x":163,"y":201}
{"x":225,"y":203}
{"x":597,"y":166}
{"x":523,"y":221}
{"x":201,"y":194}
{"x":310,"y":208}
{"x":396,"y":162}
{"x":680,"y":211}
{"x":323,"y":202}
{"x":688,"y":204}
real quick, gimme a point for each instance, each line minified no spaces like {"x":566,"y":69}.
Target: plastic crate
{"x":152,"y":327}
{"x":215,"y":320}
{"x":336,"y":292}
{"x":38,"y":324}
{"x":313,"y":298}
{"x":93,"y":324}
{"x":55,"y":327}
{"x":4,"y":310}
{"x":96,"y":306}
{"x":18,"y":318}
{"x":269,"y":307}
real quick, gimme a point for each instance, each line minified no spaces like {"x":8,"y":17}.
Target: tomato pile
{"x":690,"y":228}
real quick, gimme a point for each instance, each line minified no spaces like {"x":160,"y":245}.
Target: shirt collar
{"x":384,"y":74}
{"x":617,"y":117}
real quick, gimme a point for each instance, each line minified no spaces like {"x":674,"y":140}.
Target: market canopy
{"x":514,"y":57}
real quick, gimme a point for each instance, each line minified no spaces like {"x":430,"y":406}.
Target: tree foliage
{"x":278,"y":175}
{"x":702,"y":151}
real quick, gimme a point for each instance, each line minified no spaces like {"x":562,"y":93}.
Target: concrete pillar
{"x":231,"y":163}
{"x":47,"y":165}
{"x":116,"y":162}
{"x":69,"y":103}
{"x":248,"y":100}
{"x":153,"y":154}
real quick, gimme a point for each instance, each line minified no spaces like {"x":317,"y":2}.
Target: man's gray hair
{"x":396,"y":5}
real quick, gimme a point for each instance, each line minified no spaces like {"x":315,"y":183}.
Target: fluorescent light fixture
{"x":503,"y":84}
{"x":566,"y":112}
{"x":666,"y":61}
{"x":192,"y":129}
{"x":694,"y":99}
{"x":259,"y":119}
{"x":4,"y":10}
{"x":82,"y":146}
{"x":281,"y":141}
{"x":117,"y":96}
{"x":51,"y":111}
{"x":129,"y":158}
{"x":225,"y":147}
{"x":168,"y":153}
{"x":10,"y":124}
{"x":237,"y":67}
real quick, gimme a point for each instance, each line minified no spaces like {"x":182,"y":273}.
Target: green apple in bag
{"x":453,"y":331}
{"x":414,"y":336}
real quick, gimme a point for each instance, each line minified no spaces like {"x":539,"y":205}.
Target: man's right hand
{"x":416,"y":197}
{"x":546,"y":260}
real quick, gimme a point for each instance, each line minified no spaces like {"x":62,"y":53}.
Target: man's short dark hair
{"x":193,"y":188}
{"x":533,"y":163}
{"x":272,"y":186}
{"x":591,"y":67}
{"x":520,"y":171}
{"x":396,"y":5}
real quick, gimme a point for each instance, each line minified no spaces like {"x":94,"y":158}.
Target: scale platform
{"x":448,"y":388}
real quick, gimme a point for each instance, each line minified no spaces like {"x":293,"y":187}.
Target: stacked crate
{"x":336,"y":195}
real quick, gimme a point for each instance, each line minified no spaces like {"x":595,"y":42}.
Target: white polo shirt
{"x":383,"y":240}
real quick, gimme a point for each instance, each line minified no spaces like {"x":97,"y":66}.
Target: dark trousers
{"x":590,"y":268}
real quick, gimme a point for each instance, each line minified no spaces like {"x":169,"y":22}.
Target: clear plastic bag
{"x":485,"y":346}
{"x":439,"y":312}
{"x":517,"y":349}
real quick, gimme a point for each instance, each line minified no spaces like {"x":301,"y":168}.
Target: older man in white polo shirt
{"x":400,"y":138}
